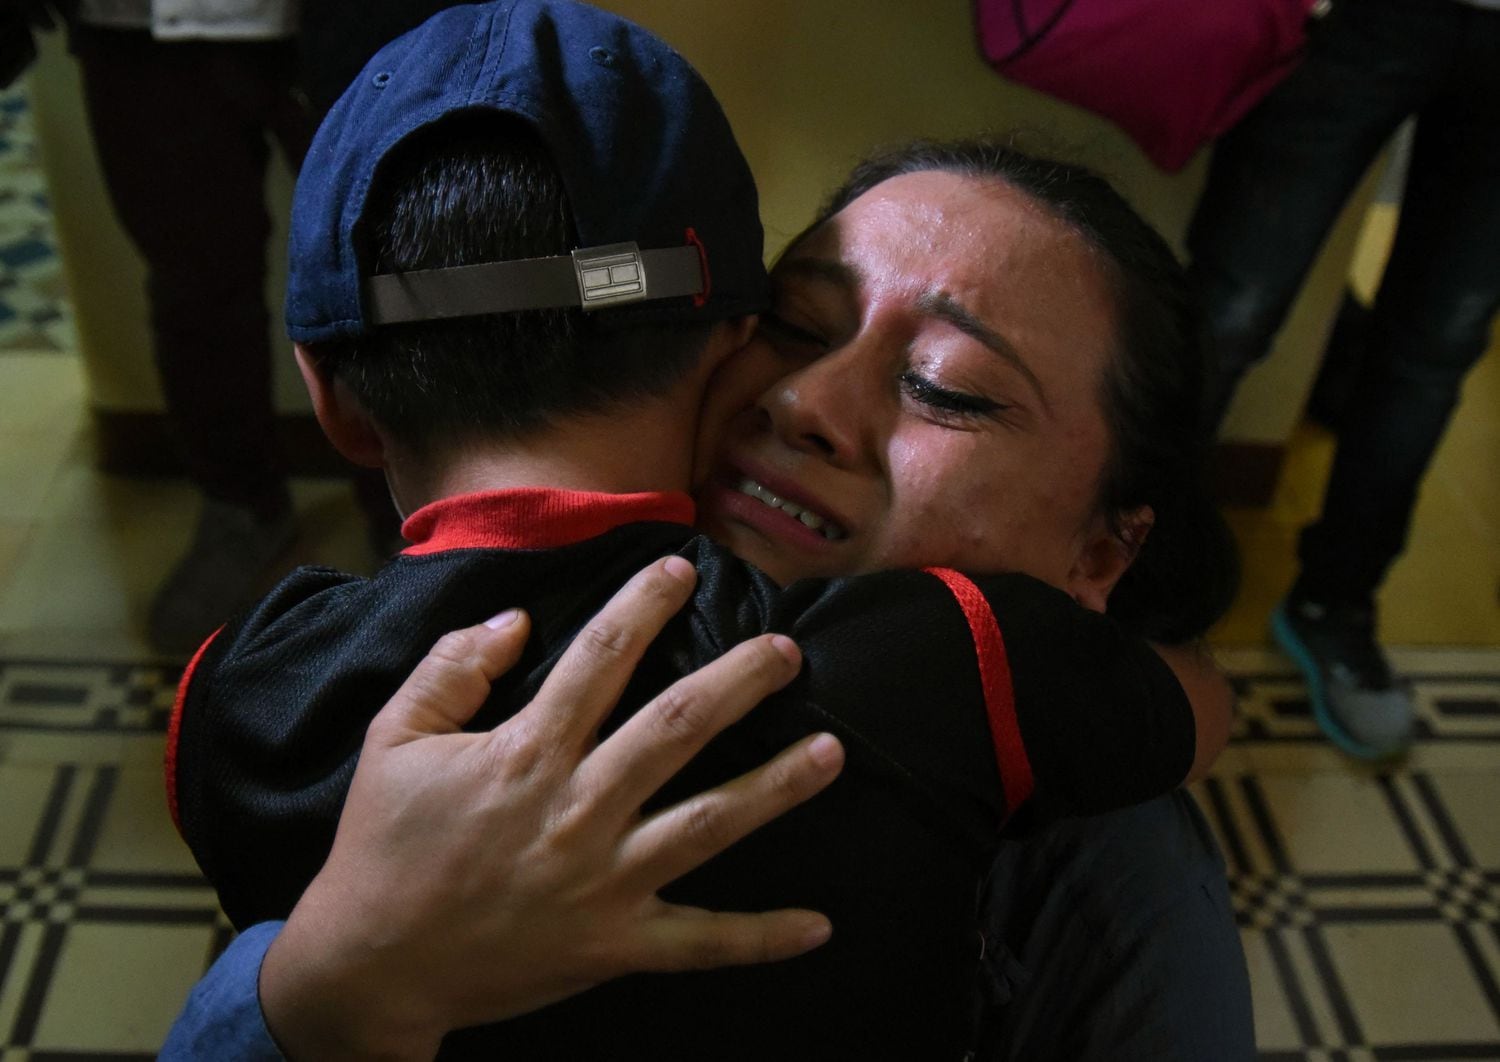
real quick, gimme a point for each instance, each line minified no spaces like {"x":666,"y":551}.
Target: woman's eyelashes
{"x":957,"y":405}
{"x":785,"y":334}
{"x":947,"y":405}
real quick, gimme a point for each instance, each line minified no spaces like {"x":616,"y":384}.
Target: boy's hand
{"x":476,"y":876}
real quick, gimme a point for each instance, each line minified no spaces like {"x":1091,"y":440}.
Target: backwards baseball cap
{"x":662,"y":198}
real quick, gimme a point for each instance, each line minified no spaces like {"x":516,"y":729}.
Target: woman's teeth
{"x":826,"y":528}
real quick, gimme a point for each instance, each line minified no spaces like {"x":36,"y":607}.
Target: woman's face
{"x":925,"y":391}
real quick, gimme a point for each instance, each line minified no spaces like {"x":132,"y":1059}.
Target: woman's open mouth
{"x":774,"y":508}
{"x":806,"y":517}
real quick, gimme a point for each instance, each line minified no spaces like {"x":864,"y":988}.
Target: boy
{"x":540,"y":445}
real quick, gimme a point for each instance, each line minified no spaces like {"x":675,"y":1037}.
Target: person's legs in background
{"x":182,"y":132}
{"x":1429,"y":325}
{"x":1276,"y":184}
{"x":1338,"y":374}
{"x":1279,"y":179}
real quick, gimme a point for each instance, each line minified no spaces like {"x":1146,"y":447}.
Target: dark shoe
{"x":220,"y":574}
{"x":1355,"y":700}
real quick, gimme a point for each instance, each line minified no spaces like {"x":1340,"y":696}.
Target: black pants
{"x":184,"y":133}
{"x":1276,"y":185}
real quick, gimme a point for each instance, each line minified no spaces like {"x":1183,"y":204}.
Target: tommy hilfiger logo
{"x":610,"y":275}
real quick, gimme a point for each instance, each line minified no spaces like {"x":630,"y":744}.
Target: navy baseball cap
{"x":662,"y":197}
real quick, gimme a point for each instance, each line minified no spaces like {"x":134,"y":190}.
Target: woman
{"x":991,"y":361}
{"x":978,"y":358}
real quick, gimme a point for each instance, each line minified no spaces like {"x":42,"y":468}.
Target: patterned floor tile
{"x":1368,"y":901}
{"x":106,"y":924}
{"x":52,"y":697}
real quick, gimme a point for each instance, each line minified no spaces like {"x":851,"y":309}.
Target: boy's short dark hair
{"x":520,"y":209}
{"x":481,"y":187}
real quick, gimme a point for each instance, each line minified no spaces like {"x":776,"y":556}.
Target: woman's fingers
{"x":687,"y":938}
{"x":654,"y":744}
{"x":680,"y":838}
{"x":588,"y":680}
{"x":453,"y":679}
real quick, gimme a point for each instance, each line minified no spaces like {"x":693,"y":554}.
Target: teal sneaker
{"x":1355,"y":699}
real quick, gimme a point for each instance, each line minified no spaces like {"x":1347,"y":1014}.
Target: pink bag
{"x":1172,"y":73}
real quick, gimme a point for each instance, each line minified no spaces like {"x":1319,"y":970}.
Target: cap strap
{"x":592,"y":278}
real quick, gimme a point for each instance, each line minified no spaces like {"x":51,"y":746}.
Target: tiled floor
{"x":107,"y":923}
{"x":1369,"y":901}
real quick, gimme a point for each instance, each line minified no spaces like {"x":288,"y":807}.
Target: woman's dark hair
{"x":482,"y":187}
{"x":1186,"y":572}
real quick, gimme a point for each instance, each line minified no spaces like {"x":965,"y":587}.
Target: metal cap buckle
{"x":610,"y":275}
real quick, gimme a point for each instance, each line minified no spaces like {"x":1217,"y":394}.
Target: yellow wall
{"x":104,"y":275}
{"x":810,"y":85}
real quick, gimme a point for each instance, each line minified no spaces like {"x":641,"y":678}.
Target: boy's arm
{"x":994,"y":693}
{"x":391,"y":947}
{"x":1101,"y":720}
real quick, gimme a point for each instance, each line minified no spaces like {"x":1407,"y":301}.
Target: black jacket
{"x":920,"y":683}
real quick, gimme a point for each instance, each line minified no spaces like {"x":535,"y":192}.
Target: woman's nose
{"x":825,"y":408}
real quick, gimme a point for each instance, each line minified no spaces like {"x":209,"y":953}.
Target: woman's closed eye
{"x":785,"y":334}
{"x":956,"y":405}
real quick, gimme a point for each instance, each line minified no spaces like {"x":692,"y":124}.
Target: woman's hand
{"x":476,"y":876}
{"x":1211,"y":697}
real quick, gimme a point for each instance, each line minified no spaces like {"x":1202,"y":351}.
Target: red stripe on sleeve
{"x":999,"y":694}
{"x":174,"y":730}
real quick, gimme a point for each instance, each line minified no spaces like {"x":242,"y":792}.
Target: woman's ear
{"x":727,"y":339}
{"x":341,"y":416}
{"x":1105,"y":557}
{"x":744,"y":328}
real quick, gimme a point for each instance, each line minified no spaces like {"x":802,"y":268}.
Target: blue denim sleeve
{"x":222,"y":1019}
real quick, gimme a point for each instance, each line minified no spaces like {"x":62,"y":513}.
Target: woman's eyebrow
{"x":942,"y":306}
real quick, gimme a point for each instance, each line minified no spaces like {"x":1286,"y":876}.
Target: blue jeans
{"x":1275,"y":187}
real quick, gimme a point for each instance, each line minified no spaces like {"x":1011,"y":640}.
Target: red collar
{"x":533,"y":518}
